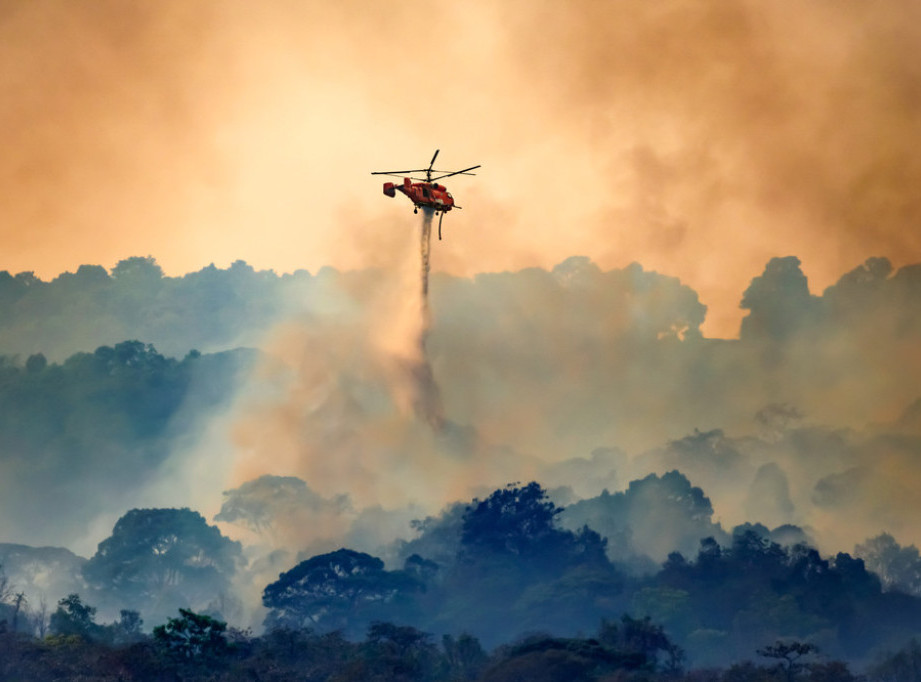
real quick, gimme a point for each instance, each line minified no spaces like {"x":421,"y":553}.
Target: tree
{"x":73,"y":617}
{"x":19,"y":604}
{"x":127,"y":628}
{"x":399,"y":652}
{"x":778,"y":302}
{"x":258,"y":503}
{"x":640,"y":640}
{"x":615,"y":653}
{"x":163,"y":557}
{"x":192,"y":637}
{"x":138,"y":269}
{"x":518,"y":523}
{"x":341,"y":589}
{"x":898,"y":567}
{"x":36,"y":363}
{"x":788,"y":655}
{"x":513,"y":519}
{"x":656,"y":515}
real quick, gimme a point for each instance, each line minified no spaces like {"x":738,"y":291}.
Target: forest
{"x":669,"y":507}
{"x":344,"y":616}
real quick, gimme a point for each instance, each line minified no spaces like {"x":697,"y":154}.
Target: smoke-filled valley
{"x":403,"y":421}
{"x":649,"y":410}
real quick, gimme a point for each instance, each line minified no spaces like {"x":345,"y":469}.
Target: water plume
{"x":425,"y":250}
{"x":428,"y":404}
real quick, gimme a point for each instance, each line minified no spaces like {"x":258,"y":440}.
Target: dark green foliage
{"x":85,"y":434}
{"x":340,"y":590}
{"x":73,"y":617}
{"x":516,"y":520}
{"x":398,"y":653}
{"x":520,"y":522}
{"x":157,"y":559}
{"x":737,"y":597}
{"x":439,"y":536}
{"x":194,"y":648}
{"x":193,"y":637}
{"x":631,"y":648}
{"x":515,"y":571}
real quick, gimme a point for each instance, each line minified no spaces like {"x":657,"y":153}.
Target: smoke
{"x":699,"y":140}
{"x":538,"y":370}
{"x":347,"y":402}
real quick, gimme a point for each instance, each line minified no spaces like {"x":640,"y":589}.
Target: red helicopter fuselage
{"x":422,"y":194}
{"x":425,"y":193}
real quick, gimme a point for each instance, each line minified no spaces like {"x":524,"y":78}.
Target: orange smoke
{"x":697,"y":139}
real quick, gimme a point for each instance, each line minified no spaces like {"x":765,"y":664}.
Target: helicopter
{"x":426,"y":193}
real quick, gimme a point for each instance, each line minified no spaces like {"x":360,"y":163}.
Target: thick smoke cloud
{"x":589,"y":379}
{"x":583,"y":378}
{"x":700,"y":140}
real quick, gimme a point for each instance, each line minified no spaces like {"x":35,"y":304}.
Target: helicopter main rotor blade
{"x":406,"y":172}
{"x":432,"y":162}
{"x":402,"y":175}
{"x":447,"y":174}
{"x":460,"y":172}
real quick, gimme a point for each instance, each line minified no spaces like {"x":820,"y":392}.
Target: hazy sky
{"x":698,"y":138}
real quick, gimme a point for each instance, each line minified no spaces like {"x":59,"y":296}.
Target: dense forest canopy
{"x":718,"y":496}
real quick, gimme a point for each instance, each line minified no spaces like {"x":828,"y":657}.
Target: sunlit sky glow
{"x":699,"y":139}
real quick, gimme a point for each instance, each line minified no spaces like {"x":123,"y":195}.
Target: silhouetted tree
{"x":519,"y":521}
{"x":513,"y":519}
{"x":788,"y":656}
{"x":192,"y":637}
{"x":163,"y":557}
{"x":778,"y":301}
{"x":344,"y":589}
{"x":73,"y":617}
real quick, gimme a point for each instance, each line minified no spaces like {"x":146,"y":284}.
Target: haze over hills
{"x":598,"y":384}
{"x":534,"y":368}
{"x":606,"y":429}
